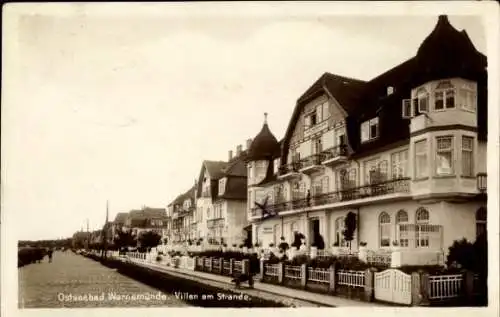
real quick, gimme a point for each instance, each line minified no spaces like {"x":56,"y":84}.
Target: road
{"x":74,"y":281}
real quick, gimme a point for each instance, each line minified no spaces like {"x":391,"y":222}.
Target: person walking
{"x":50,"y":254}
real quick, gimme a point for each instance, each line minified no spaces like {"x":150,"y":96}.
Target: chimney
{"x":230,"y":155}
{"x":249,"y":143}
{"x":390,"y":90}
{"x":238,"y":150}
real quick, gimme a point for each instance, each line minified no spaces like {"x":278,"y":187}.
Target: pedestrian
{"x":50,"y":255}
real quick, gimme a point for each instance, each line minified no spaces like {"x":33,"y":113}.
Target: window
{"x":276,"y":165}
{"x":370,"y":170}
{"x":222,"y":185}
{"x":422,"y":227}
{"x":468,"y":98}
{"x":326,"y":110}
{"x":421,"y":159}
{"x":444,"y":96}
{"x":325,"y":184}
{"x":317,"y":147}
{"x":277,"y":234}
{"x":298,"y":190}
{"x":369,"y":130}
{"x":339,"y":232}
{"x":385,"y":229}
{"x":444,"y":155}
{"x":310,"y":120}
{"x":317,"y":187}
{"x":399,"y":162}
{"x":407,"y":109}
{"x":467,"y":157}
{"x":480,"y":222}
{"x":403,"y":228}
{"x":423,"y":100}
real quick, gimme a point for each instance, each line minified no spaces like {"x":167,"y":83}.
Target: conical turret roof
{"x":264,"y":146}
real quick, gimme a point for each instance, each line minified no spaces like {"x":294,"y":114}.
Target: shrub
{"x":234,"y":245}
{"x":323,"y":262}
{"x":461,"y":255}
{"x":158,"y":258}
{"x":299,"y":260}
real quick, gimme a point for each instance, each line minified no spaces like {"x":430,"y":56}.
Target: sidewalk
{"x":319,"y":299}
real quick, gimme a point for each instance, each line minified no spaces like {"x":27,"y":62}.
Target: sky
{"x":126,"y":108}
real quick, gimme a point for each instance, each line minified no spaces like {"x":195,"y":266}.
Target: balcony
{"x":215,"y":223}
{"x":289,"y":171}
{"x":311,"y":164}
{"x":335,"y":155}
{"x":401,"y":186}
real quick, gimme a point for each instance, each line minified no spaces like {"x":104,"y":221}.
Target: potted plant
{"x":158,"y":258}
{"x":362,"y":244}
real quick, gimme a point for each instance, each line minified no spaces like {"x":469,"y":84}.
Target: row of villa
{"x":404,"y":152}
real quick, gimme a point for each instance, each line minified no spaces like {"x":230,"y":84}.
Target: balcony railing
{"x":311,"y":163}
{"x":383,"y":188}
{"x":334,"y":153}
{"x":290,"y":168}
{"x":215,"y":223}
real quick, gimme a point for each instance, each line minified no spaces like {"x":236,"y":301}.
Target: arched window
{"x":402,"y":227}
{"x":422,"y":227}
{"x":480,"y":221}
{"x":385,"y":229}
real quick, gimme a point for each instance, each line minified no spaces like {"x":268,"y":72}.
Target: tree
{"x":461,"y":254}
{"x":350,"y":227}
{"x":149,"y":239}
{"x":124,"y":239}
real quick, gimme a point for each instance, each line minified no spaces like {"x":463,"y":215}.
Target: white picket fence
{"x":271,"y":270}
{"x":292,"y":272}
{"x":318,"y":275}
{"x":393,"y":286}
{"x":351,"y":278}
{"x":444,"y":287}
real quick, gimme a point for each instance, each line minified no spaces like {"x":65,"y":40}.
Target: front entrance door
{"x":313,"y":230}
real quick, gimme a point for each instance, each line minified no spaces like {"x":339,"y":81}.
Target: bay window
{"x":444,"y":155}
{"x":467,"y":156}
{"x":468,"y":98}
{"x":423,"y":100}
{"x":444,"y":96}
{"x":421,"y":164}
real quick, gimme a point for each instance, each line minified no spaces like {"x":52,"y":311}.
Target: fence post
{"x":262,"y":272}
{"x":196,"y":268}
{"x":221,"y":261}
{"x":245,"y":266}
{"x":416,"y":289}
{"x":468,"y":286}
{"x":281,"y":272}
{"x":425,"y":289}
{"x":231,"y":267}
{"x":333,"y":279}
{"x":202,"y":268}
{"x":210,"y":266}
{"x":303,"y":272}
{"x":369,"y":285}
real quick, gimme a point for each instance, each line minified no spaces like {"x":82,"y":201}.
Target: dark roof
{"x":344,"y":89}
{"x":147,"y":213}
{"x":215,"y":168}
{"x":264,"y":146}
{"x":236,"y":188}
{"x":190,"y":193}
{"x":237,"y":166}
{"x":444,"y":53}
{"x":120,"y":218}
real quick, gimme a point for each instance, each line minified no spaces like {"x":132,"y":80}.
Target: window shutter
{"x":307,"y":122}
{"x":319,"y":114}
{"x":415,"y":107}
{"x":365,"y":131}
{"x":326,"y":110}
{"x":406,"y":111}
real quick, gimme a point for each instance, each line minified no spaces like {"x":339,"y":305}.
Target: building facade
{"x":404,"y":152}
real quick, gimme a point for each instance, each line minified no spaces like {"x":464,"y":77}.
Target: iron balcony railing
{"x":334,"y":152}
{"x":290,"y":168}
{"x":401,"y":185}
{"x":312,"y":160}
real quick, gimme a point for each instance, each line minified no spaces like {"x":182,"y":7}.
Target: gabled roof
{"x":147,"y":213}
{"x":215,"y":168}
{"x":236,"y":188}
{"x":444,"y":53}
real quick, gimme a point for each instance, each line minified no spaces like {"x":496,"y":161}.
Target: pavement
{"x":42,"y":284}
{"x":301,"y":297}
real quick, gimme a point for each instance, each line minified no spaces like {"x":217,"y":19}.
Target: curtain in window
{"x":403,"y":228}
{"x":422,"y":227}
